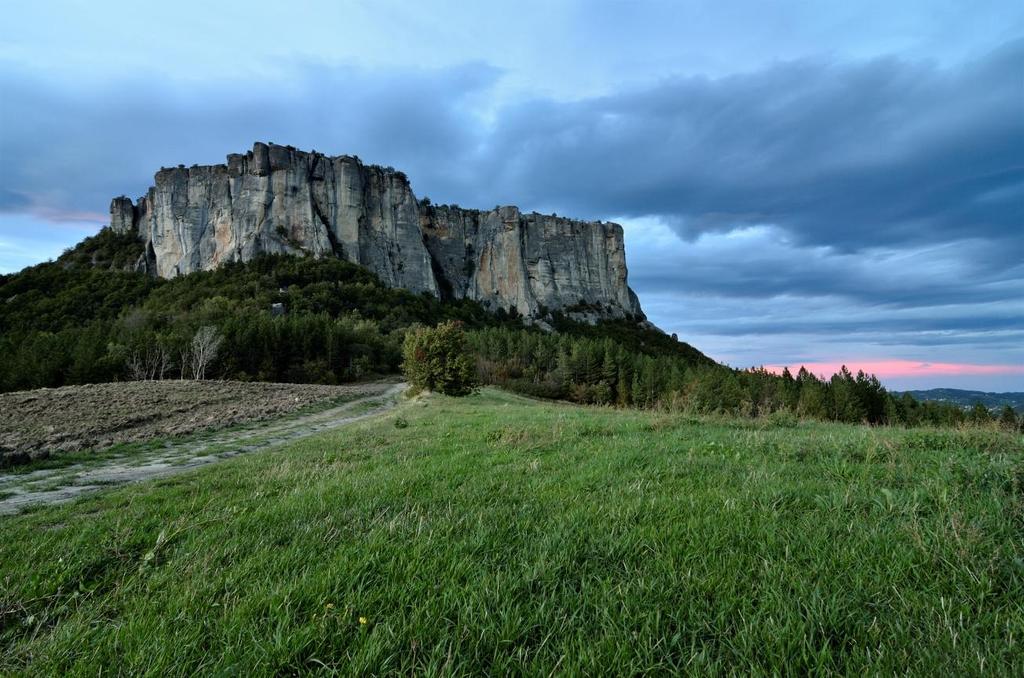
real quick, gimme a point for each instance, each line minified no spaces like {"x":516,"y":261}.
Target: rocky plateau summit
{"x":277,"y":199}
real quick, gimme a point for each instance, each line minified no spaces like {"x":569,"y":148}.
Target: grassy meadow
{"x":499,"y":535}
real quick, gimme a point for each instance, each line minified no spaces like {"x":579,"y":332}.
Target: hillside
{"x":91,"y":317}
{"x":85,"y":319}
{"x":965,"y":399}
{"x":497,"y":535}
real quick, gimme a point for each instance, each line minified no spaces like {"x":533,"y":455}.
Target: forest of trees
{"x":602,"y":371}
{"x":292,"y":319}
{"x":87,"y":318}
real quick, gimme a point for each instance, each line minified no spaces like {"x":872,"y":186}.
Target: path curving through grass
{"x":19,"y":490}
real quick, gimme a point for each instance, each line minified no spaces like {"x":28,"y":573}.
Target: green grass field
{"x":497,"y":535}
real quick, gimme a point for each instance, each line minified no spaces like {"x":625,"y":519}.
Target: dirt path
{"x":54,"y":421}
{"x":54,"y":486}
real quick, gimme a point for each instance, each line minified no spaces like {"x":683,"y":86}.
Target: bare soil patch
{"x":37,"y":424}
{"x":178,"y":455}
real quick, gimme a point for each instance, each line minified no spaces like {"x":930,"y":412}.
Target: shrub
{"x":542,"y":389}
{"x":781,"y":419}
{"x":439,"y":359}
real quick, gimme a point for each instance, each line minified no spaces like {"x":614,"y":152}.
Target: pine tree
{"x":609,"y":367}
{"x":623,"y":397}
{"x":1008,"y":418}
{"x":637,"y":392}
{"x":979,"y":414}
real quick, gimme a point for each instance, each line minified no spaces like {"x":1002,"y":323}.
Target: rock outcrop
{"x":276,"y":199}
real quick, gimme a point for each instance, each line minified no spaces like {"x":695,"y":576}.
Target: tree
{"x":203,"y":350}
{"x":609,"y":368}
{"x":622,"y":385}
{"x":979,"y":414}
{"x":846,"y":405}
{"x":1008,"y":418}
{"x":813,"y":400}
{"x":149,"y":363}
{"x":439,"y":359}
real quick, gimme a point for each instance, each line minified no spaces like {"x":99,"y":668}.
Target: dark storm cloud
{"x":1004,"y":342}
{"x":72,"y":148}
{"x":991,"y":321}
{"x":881,"y":153}
{"x":885,"y":152}
{"x":766,"y":263}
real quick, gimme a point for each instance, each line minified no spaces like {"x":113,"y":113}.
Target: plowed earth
{"x":40,"y":423}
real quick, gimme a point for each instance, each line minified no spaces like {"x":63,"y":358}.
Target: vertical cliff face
{"x":530,"y":262}
{"x":276,"y":199}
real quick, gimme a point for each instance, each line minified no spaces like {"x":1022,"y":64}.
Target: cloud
{"x":766,"y":262}
{"x":70,"y":148}
{"x":879,"y":153}
{"x":753,"y":296}
{"x":884,"y":152}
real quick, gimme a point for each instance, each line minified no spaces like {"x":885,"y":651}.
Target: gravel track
{"x":44,"y":422}
{"x":58,"y":485}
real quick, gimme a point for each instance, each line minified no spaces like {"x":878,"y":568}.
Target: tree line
{"x":605,"y":372}
{"x":84,"y":318}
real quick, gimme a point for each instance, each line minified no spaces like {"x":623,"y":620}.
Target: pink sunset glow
{"x":887,"y":369}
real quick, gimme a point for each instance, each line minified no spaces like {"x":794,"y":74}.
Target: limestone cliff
{"x":276,"y":199}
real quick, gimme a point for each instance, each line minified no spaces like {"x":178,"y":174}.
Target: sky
{"x":812,"y":183}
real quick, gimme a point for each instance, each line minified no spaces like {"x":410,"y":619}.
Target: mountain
{"x":966,"y":399}
{"x":91,"y":316}
{"x":279,"y":200}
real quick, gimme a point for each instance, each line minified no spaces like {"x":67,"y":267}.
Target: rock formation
{"x":276,"y":199}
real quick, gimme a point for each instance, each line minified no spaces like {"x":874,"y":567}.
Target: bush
{"x":439,"y":359}
{"x":781,"y":419}
{"x":542,"y":389}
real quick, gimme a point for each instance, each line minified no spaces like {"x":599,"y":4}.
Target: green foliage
{"x":439,"y":359}
{"x":72,"y":322}
{"x":631,"y":335}
{"x":106,"y":249}
{"x":628,"y":370}
{"x":50,"y":297}
{"x":979,"y":414}
{"x":1008,"y":418}
{"x":82,"y":319}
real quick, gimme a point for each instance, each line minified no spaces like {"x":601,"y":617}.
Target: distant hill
{"x":964,"y":398}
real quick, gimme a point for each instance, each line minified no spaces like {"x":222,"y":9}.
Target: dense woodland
{"x":84,"y":319}
{"x":601,"y":371}
{"x":87,"y":318}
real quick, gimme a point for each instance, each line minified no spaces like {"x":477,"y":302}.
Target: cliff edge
{"x":276,"y":199}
